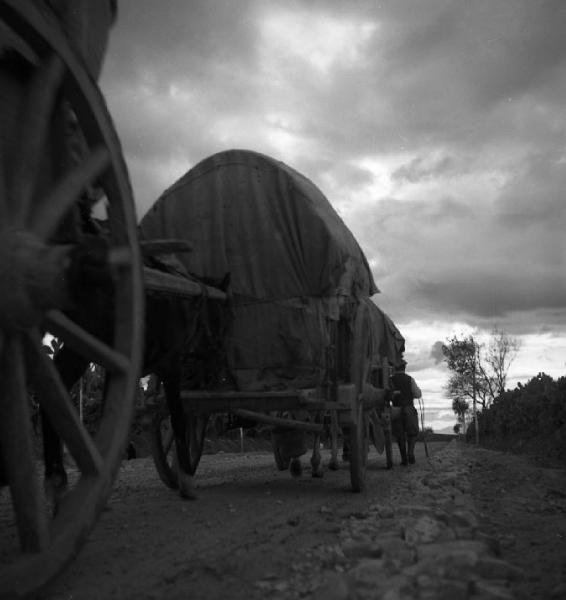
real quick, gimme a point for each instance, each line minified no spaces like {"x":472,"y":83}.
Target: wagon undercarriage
{"x":346,"y":405}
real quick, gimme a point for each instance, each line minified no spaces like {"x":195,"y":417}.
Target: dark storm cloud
{"x":451,"y":64}
{"x":534,"y":197}
{"x":459,"y":104}
{"x":176,"y":38}
{"x":491,"y":294}
{"x":447,"y":260}
{"x":497,"y":49}
{"x":399,"y":231}
{"x":172,"y":66}
{"x":432,"y":72}
{"x":420,"y":168}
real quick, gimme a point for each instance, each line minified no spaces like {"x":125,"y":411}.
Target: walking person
{"x":405,"y":419}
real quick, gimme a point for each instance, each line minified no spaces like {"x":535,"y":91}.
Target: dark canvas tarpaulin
{"x":291,"y":258}
{"x":386,"y":340}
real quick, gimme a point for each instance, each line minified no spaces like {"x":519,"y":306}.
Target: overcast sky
{"x":436,"y":128}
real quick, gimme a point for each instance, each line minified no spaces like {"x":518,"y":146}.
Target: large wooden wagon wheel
{"x":163,"y":448}
{"x":34,"y":273}
{"x":359,"y":422}
{"x":195,"y":428}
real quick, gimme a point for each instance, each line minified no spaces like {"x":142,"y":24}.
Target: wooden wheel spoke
{"x":31,"y":146}
{"x":54,"y":207}
{"x":86,"y":344}
{"x":18,"y":452}
{"x":56,"y":402}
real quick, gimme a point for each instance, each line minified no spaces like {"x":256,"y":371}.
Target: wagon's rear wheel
{"x":196,"y":432}
{"x":164,"y":449}
{"x":38,"y":276}
{"x":359,"y":422}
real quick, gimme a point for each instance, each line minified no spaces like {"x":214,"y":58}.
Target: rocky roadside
{"x":425,"y":542}
{"x":521,"y":500}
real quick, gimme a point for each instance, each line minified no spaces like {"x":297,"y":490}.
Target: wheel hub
{"x":32,"y":279}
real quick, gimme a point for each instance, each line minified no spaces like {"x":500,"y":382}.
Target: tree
{"x":479,"y":373}
{"x":460,"y":408}
{"x":461,"y":357}
{"x":501,"y":351}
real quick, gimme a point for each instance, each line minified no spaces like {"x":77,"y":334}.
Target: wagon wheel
{"x":164,"y":449}
{"x":33,"y":271}
{"x":195,"y":425}
{"x":359,"y":423}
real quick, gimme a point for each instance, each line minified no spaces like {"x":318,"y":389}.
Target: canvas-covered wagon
{"x":303,"y":334}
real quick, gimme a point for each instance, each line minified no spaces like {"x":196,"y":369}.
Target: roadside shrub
{"x":534,"y":410}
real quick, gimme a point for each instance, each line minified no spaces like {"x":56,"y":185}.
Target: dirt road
{"x":250,"y":527}
{"x":469,"y":523}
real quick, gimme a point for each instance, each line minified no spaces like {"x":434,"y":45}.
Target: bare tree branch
{"x":478,"y":372}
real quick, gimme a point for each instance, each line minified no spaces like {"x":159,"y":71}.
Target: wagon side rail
{"x":255,"y":405}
